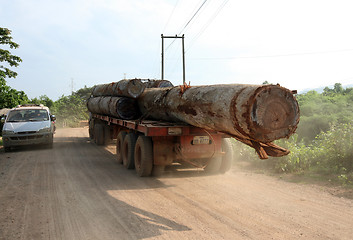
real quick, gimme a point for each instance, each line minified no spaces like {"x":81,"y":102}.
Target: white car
{"x":26,"y":125}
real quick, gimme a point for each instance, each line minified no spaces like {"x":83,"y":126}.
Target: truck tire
{"x":99,"y":134}
{"x":128,"y":150}
{"x":227,"y":159}
{"x":107,"y":134}
{"x":91,"y":129}
{"x":119,"y":146}
{"x":213,"y":165}
{"x":143,"y":156}
{"x":7,"y":149}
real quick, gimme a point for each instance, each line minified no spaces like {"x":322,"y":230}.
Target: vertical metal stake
{"x":162,"y":57}
{"x":183,"y":60}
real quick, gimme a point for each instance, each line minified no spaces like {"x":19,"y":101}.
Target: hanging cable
{"x":271,"y":56}
{"x":193,"y":16}
{"x":187,"y":23}
{"x":165,"y":27}
{"x":207,"y":24}
{"x":170,"y":16}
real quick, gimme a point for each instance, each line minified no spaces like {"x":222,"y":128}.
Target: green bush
{"x":298,"y":160}
{"x":70,"y":110}
{"x":334,"y":148}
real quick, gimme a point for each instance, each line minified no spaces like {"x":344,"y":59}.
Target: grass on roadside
{"x":327,"y":162}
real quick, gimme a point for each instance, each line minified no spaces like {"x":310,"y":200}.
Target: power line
{"x":187,"y":23}
{"x":170,"y":44}
{"x":193,"y":16}
{"x":165,"y":27}
{"x":170,"y":16}
{"x":269,"y":56}
{"x":207,"y":24}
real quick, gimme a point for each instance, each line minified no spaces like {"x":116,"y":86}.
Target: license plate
{"x":201,"y":140}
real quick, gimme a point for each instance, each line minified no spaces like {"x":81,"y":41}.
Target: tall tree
{"x":9,"y":97}
{"x":6,"y":56}
{"x":43,"y":99}
{"x":338,"y":88}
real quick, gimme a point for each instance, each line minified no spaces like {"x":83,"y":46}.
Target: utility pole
{"x":72,"y":85}
{"x":183,"y":54}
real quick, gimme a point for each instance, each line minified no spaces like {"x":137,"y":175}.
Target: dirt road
{"x":77,"y":191}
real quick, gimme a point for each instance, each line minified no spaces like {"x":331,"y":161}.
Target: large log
{"x":150,"y":83}
{"x":253,"y":113}
{"x":131,"y":88}
{"x":124,"y":88}
{"x":120,"y":107}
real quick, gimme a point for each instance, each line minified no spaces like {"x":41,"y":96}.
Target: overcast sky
{"x":299,"y":44}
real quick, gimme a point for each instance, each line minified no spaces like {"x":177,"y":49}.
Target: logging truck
{"x":156,"y":124}
{"x":149,"y":146}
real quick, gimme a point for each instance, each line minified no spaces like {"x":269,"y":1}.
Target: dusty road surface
{"x":77,"y":191}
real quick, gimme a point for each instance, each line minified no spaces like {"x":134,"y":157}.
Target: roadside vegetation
{"x":69,"y":110}
{"x":322,"y":148}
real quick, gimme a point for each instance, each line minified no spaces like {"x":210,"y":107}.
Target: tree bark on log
{"x":157,"y":83}
{"x":120,"y":107}
{"x":260,"y":113}
{"x":131,"y":88}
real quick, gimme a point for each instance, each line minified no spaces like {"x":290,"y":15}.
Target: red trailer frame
{"x":165,"y":143}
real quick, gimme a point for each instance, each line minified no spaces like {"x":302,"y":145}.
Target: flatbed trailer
{"x":149,"y":146}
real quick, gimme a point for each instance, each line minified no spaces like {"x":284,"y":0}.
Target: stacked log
{"x":119,"y":107}
{"x":157,"y":83}
{"x":118,"y":99}
{"x":131,"y":88}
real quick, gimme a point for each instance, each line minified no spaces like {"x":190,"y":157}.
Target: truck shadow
{"x":104,"y":182}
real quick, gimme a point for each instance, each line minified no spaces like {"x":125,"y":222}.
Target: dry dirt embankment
{"x":77,"y":191}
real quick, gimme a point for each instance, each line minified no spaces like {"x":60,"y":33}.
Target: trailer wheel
{"x":144,"y":156}
{"x":128,"y":150}
{"x":119,"y":146}
{"x":99,"y":134}
{"x":91,"y":129}
{"x":227,"y":159}
{"x":213,"y":165}
{"x":107,"y":134}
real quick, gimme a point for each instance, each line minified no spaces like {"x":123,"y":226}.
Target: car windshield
{"x":26,"y":115}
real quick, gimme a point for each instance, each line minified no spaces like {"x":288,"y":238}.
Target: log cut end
{"x":274,"y":113}
{"x":127,"y":108}
{"x":135,"y":87}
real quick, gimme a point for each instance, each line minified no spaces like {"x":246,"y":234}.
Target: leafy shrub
{"x":310,"y":127}
{"x":297,"y":160}
{"x":72,"y":109}
{"x":334,"y":148}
